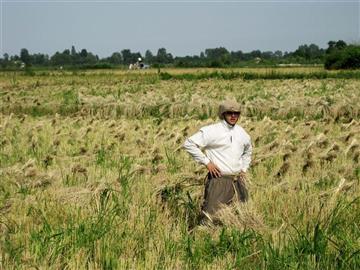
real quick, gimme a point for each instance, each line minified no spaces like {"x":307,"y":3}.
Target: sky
{"x":183,"y":27}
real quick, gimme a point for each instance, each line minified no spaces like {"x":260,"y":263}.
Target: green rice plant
{"x":70,"y":102}
{"x":36,"y":111}
{"x":324,"y":182}
{"x":74,"y":179}
{"x":13,"y":80}
{"x":329,"y":242}
{"x":182,"y":206}
{"x":29,"y":71}
{"x":125,"y":177}
{"x":59,"y":244}
{"x":241,"y":244}
{"x":357,"y":173}
{"x":11,"y":250}
{"x":52,"y":242}
{"x":172,"y":163}
{"x":101,"y":155}
{"x":171,"y":195}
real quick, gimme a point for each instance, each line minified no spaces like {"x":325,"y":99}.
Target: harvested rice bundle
{"x":283,"y":169}
{"x":328,"y":155}
{"x":354,"y":145}
{"x":321,"y":140}
{"x":352,"y":123}
{"x":309,"y":160}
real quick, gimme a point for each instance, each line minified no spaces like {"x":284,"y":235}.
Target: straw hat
{"x":228,"y":106}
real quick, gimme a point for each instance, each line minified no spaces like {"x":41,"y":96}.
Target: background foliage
{"x":338,"y":55}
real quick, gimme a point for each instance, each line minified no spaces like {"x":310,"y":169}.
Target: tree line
{"x":336,"y":52}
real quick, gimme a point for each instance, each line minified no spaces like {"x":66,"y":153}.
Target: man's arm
{"x":192,"y":146}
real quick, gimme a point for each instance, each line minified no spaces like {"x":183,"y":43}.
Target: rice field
{"x":93,"y":175}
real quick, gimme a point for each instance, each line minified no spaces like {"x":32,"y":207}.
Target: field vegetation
{"x":93,"y":175}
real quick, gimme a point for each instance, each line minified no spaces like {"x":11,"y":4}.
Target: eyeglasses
{"x":233,"y":113}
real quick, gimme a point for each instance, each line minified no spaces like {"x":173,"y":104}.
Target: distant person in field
{"x":227,"y":156}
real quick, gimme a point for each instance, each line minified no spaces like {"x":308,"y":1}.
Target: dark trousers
{"x":223,"y":190}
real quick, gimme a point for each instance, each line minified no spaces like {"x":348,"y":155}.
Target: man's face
{"x":231,"y":117}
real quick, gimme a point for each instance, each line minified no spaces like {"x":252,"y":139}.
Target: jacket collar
{"x":226,"y":125}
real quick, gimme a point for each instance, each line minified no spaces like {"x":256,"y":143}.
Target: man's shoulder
{"x":212,"y":127}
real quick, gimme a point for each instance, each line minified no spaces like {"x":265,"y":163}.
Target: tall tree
{"x":83,"y":53}
{"x":255,"y":53}
{"x":217,"y":53}
{"x":25,"y":56}
{"x":237,"y":56}
{"x":73,"y":51}
{"x":340,"y":44}
{"x":163,"y":57}
{"x":115,"y":58}
{"x":278,"y":54}
{"x":40,"y":59}
{"x":149,"y":57}
{"x":335,"y":45}
{"x":126,"y":56}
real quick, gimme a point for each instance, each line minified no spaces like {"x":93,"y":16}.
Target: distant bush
{"x":103,"y":65}
{"x":347,"y":58}
{"x":216,"y":64}
{"x":29,"y":71}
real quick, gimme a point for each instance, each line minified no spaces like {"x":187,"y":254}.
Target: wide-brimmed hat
{"x":228,"y":106}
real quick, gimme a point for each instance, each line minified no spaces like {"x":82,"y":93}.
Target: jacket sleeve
{"x":246,"y":157}
{"x":193,"y":144}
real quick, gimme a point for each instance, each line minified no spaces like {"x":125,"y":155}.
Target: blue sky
{"x":182,"y":27}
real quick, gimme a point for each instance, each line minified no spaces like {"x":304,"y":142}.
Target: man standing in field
{"x":227,"y":156}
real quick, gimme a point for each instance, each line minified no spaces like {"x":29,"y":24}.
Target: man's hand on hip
{"x":213,"y":170}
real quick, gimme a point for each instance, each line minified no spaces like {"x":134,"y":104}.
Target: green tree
{"x":61,"y":59}
{"x":309,"y":52}
{"x":217,"y":53}
{"x":267,"y":55}
{"x":115,"y":58}
{"x":25,"y":56}
{"x":149,"y":57}
{"x":5,"y":61}
{"x":40,"y":59}
{"x":340,"y":44}
{"x":126,"y":56}
{"x":255,"y":53}
{"x":83,"y":53}
{"x":278,"y":54}
{"x":73,"y":51}
{"x":346,"y":58}
{"x":237,"y":56}
{"x":162,"y":57}
{"x":335,"y":45}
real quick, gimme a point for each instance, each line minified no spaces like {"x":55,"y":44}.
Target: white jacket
{"x":228,"y":147}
